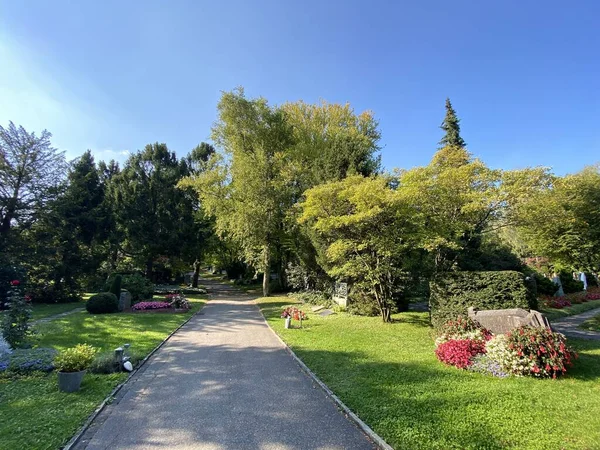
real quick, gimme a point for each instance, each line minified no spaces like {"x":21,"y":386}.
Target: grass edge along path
{"x":389,"y":376}
{"x":554,"y":314}
{"x":591,"y":324}
{"x":36,"y":415}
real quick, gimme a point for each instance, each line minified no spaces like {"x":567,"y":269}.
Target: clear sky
{"x":112,"y":76}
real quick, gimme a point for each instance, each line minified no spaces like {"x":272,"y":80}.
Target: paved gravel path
{"x":568,"y":326}
{"x":224,"y":381}
{"x":56,"y":316}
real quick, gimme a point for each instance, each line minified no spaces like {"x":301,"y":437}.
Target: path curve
{"x":223,"y":381}
{"x":568,"y":325}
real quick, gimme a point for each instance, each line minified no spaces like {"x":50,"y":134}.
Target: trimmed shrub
{"x":115,"y":286}
{"x":453,"y":293}
{"x":103,"y":303}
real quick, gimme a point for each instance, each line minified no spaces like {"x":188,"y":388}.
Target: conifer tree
{"x":451,"y":127}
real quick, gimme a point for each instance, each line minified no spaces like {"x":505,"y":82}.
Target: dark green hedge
{"x":453,"y":293}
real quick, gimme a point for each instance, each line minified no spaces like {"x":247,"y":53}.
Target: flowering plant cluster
{"x":486,"y":365}
{"x":570,"y":299}
{"x":294,"y":313}
{"x":523,"y":351}
{"x":557,"y":302}
{"x":146,"y":306}
{"x":459,"y":352}
{"x":547,"y":352}
{"x":178,"y":301}
{"x":462,"y":328}
{"x":26,"y":361}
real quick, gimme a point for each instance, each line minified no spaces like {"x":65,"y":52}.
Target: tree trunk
{"x":149,"y":265}
{"x":196,"y":273}
{"x":266,"y":271}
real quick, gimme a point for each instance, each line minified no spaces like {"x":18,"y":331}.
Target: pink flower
{"x":15,"y":283}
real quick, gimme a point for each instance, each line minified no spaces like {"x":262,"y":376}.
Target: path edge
{"x":107,"y":400}
{"x":341,"y":405}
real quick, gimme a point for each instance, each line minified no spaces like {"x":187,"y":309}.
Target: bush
{"x":75,"y":359}
{"x":546,"y":353}
{"x":115,"y":286}
{"x":138,"y":286}
{"x":104,"y":363}
{"x":452,"y":294}
{"x":312,"y":297}
{"x":103,"y":303}
{"x":7,"y":274}
{"x":25,"y":361}
{"x":591,"y":280}
{"x":459,"y":353}
{"x":570,"y":285}
{"x":48,"y":292}
{"x":545,"y":286}
{"x":15,"y":321}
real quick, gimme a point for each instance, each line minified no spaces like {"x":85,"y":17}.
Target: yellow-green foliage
{"x":75,"y":359}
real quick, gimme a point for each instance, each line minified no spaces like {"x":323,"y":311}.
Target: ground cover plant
{"x":389,"y":375}
{"x":35,"y":414}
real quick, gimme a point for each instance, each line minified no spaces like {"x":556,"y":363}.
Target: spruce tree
{"x":451,"y":127}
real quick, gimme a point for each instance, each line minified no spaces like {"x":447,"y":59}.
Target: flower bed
{"x":549,"y":301}
{"x":524,"y":351}
{"x":294,"y":313}
{"x":150,"y":306}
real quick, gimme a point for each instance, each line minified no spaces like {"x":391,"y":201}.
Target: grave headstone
{"x":340,"y":294}
{"x":124,"y":301}
{"x":500,"y":321}
{"x":326,"y":312}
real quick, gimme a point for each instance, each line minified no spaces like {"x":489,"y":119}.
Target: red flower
{"x":28,"y":298}
{"x":15,"y":283}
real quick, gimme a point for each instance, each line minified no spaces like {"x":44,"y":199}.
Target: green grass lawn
{"x":389,"y":375}
{"x":42,"y":310}
{"x":554,"y":314}
{"x":35,"y":414}
{"x":592,"y":324}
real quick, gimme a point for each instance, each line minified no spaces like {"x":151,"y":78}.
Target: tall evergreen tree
{"x":451,"y":127}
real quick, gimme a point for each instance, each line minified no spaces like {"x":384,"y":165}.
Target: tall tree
{"x":244,"y":189}
{"x":155,"y":218}
{"x":30,"y":170}
{"x":367,"y":233}
{"x":561,"y":222}
{"x":457,"y":197}
{"x":451,"y":128}
{"x":68,"y":237}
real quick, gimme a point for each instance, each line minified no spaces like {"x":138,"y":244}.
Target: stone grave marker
{"x":340,"y":294}
{"x":124,"y":301}
{"x":500,"y":321}
{"x":326,"y":312}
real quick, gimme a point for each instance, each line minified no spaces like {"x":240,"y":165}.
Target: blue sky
{"x":114,"y":76}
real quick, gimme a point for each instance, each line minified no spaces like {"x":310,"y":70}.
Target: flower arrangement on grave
{"x":294,"y":313}
{"x":178,"y":301}
{"x":523,"y":351}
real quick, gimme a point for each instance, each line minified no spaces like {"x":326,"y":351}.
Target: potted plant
{"x":71,"y":365}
